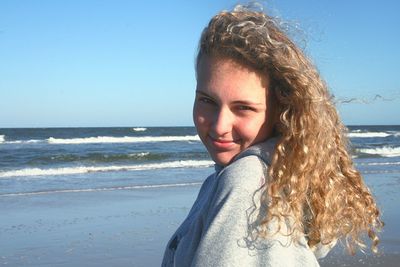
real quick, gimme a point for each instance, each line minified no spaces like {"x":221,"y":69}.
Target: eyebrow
{"x":242,"y":102}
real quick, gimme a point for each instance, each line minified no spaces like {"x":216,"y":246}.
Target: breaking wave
{"x":368,"y":134}
{"x":139,"y":129}
{"x":87,"y":169}
{"x":125,"y":139}
{"x":385,"y":151}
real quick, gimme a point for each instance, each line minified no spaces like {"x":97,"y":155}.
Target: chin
{"x":222,"y":160}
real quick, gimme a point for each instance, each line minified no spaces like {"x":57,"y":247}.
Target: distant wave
{"x":99,"y":189}
{"x":105,"y":139}
{"x":140,"y":155}
{"x":380,"y":171}
{"x":368,"y":134}
{"x":379,"y":163}
{"x":87,"y":169}
{"x":24,"y":141}
{"x":96,"y":157}
{"x":385,"y":151}
{"x":139,"y":129}
{"x":125,"y":139}
{"x":397,"y":134}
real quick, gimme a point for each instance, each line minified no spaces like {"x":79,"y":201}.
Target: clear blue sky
{"x":130,"y":63}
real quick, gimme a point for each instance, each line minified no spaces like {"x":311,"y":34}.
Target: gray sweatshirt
{"x":221,"y":228}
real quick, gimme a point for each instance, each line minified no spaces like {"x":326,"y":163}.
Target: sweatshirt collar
{"x":263,"y":150}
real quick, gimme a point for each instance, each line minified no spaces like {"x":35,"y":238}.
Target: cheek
{"x":201,"y":115}
{"x":196,"y":114}
{"x":253,"y":129}
{"x":199,"y":118}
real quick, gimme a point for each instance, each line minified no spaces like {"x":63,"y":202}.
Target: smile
{"x":222,"y":144}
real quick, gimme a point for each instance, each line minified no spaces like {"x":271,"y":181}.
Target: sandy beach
{"x":116,"y":228}
{"x":131,"y":227}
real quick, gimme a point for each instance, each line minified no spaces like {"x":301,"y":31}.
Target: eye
{"x":205,"y":100}
{"x":245,"y":108}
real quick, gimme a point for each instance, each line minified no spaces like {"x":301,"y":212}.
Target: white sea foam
{"x":368,"y":134}
{"x":2,"y":139}
{"x":385,"y":151}
{"x":24,"y":141}
{"x":139,"y":129}
{"x":124,"y":139}
{"x":86,"y":169}
{"x":140,"y":155}
{"x":100,"y":189}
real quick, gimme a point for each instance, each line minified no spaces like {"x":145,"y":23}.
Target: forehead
{"x":229,"y":80}
{"x":215,"y":64}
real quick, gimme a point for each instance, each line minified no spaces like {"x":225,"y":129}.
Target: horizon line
{"x":159,"y":126}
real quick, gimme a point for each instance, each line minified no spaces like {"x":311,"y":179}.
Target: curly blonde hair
{"x":312,"y":179}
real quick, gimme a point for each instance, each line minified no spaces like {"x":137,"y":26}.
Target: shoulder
{"x":208,"y":182}
{"x":249,"y":169}
{"x":244,"y":173}
{"x":263,"y":150}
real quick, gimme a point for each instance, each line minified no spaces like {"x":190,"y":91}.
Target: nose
{"x":223,"y":121}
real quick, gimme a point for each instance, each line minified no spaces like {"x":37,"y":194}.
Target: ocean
{"x":114,"y":196}
{"x":64,"y":160}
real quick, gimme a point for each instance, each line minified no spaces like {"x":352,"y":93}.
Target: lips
{"x":223,"y":144}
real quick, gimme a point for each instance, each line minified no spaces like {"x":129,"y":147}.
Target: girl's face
{"x":232,"y":108}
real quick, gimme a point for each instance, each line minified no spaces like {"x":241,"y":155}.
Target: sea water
{"x":63,"y":160}
{"x":54,"y":160}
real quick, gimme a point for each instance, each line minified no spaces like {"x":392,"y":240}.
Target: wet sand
{"x":131,"y":227}
{"x":117,"y":228}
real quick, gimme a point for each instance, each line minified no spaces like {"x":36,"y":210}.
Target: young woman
{"x":285,"y":188}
